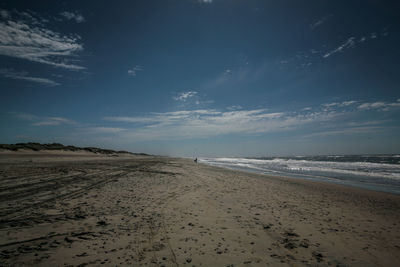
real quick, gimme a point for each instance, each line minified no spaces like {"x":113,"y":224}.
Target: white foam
{"x":361,"y":169}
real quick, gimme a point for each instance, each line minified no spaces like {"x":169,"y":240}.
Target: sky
{"x":203,"y":77}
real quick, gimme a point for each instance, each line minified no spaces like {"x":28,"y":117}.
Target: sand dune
{"x":142,"y":210}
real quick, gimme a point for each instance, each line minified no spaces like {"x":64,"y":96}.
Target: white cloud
{"x":73,"y":16}
{"x":23,"y":75}
{"x":374,"y":105}
{"x":51,"y":121}
{"x":347,"y":131}
{"x":328,"y":105}
{"x":235,"y":107}
{"x":312,"y":57}
{"x":131,"y":119}
{"x":41,"y":120}
{"x":206,"y":123}
{"x":381,"y":106}
{"x":378,"y":105}
{"x":318,"y":23}
{"x":352,"y":41}
{"x":349,"y":43}
{"x":23,"y":116}
{"x":185,"y":96}
{"x":339,"y":104}
{"x":165,"y":118}
{"x":366,"y":123}
{"x":227,"y":72}
{"x":348,"y":103}
{"x":24,"y":36}
{"x":134,"y":70}
{"x":205,"y":1}
{"x":105,"y":130}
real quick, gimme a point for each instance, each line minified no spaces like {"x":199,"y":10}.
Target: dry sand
{"x":58,"y":210}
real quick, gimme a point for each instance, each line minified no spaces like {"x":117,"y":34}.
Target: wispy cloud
{"x":347,"y":131}
{"x":340,"y":104}
{"x":146,"y":119}
{"x":235,"y":107}
{"x":228,"y":72}
{"x":105,"y":130}
{"x":205,"y":1}
{"x":209,"y":122}
{"x":41,"y":120}
{"x":352,"y":42}
{"x":349,"y":43}
{"x":319,"y":22}
{"x":366,"y":123}
{"x":301,"y":60}
{"x":321,"y":120}
{"x":185,"y":96}
{"x":51,"y":121}
{"x":134,"y":70}
{"x":235,"y":76}
{"x":165,"y":118}
{"x":378,"y":105}
{"x":78,"y":18}
{"x":23,"y":75}
{"x":381,"y":106}
{"x":325,"y":119}
{"x":26,"y":37}
{"x":313,"y":56}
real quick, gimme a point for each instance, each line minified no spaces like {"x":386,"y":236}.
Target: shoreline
{"x":384,"y":188}
{"x":310,"y":181}
{"x":172,"y":212}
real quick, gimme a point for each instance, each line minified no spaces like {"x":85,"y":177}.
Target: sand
{"x":82,"y":210}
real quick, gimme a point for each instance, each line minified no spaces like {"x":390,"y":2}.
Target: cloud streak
{"x":42,"y":121}
{"x":188,"y":124}
{"x":352,"y":42}
{"x":340,"y":104}
{"x":347,"y":131}
{"x":134,"y":70}
{"x":52,"y":121}
{"x":26,"y":37}
{"x":319,"y":22}
{"x":24,"y":76}
{"x":321,"y":120}
{"x":329,"y":119}
{"x":185,"y":96}
{"x":105,"y":130}
{"x":311,"y":57}
{"x":78,"y":18}
{"x":349,"y":43}
{"x":379,"y":105}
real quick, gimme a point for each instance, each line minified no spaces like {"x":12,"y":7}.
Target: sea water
{"x":375,"y":172}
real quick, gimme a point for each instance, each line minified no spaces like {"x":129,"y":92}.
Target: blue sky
{"x":202,"y":77}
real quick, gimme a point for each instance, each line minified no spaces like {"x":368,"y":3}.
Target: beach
{"x":80,"y":209}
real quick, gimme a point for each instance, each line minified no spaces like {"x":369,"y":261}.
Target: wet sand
{"x":58,"y":209}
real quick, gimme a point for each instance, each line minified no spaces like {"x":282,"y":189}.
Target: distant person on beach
{"x":195,"y":160}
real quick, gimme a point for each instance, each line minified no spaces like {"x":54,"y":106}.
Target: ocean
{"x":374,"y":172}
